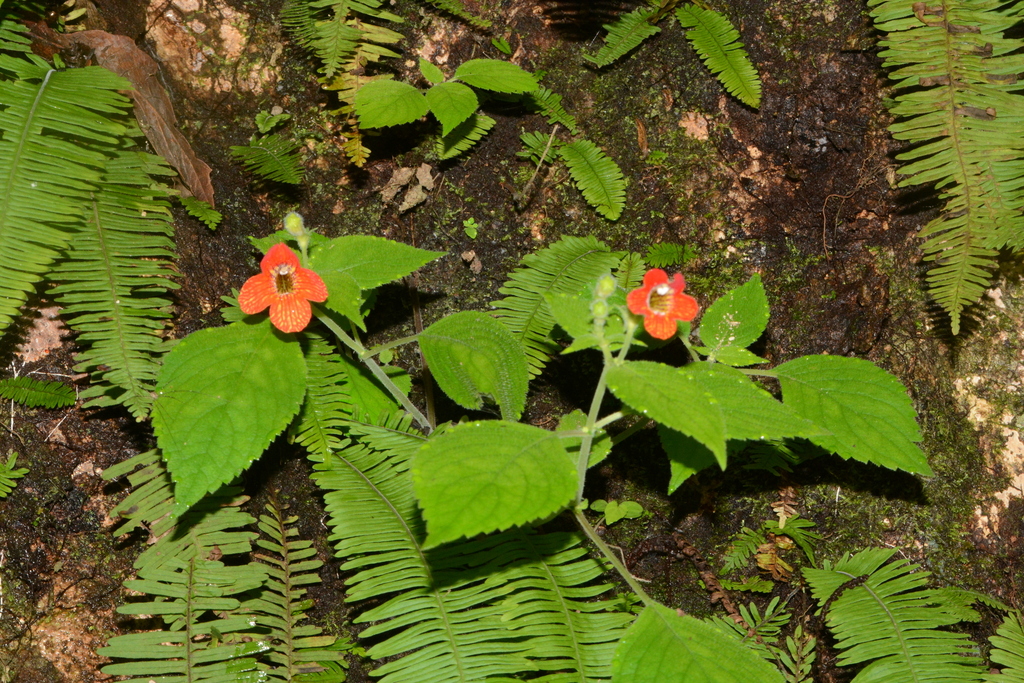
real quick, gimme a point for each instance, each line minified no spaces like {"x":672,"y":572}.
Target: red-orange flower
{"x":661,"y":302}
{"x":286,"y":287}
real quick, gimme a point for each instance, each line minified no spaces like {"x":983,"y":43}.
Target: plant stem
{"x":608,"y":419}
{"x":631,"y":430}
{"x":611,"y":557}
{"x":377,"y":350}
{"x":372,"y":366}
{"x":591,"y":426}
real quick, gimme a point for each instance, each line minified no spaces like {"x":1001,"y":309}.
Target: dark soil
{"x":800,"y":191}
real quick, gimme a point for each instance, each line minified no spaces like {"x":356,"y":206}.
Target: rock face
{"x":209,"y":47}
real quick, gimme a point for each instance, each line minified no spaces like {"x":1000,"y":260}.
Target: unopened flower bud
{"x":600,"y":309}
{"x":294,"y":225}
{"x":605,"y":286}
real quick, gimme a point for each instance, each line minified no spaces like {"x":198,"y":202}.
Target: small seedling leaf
{"x":496,"y":75}
{"x":452,"y":103}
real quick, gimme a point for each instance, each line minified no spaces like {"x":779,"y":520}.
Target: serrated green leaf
{"x":750,"y":412}
{"x":370,"y":261}
{"x":736,"y":320}
{"x":344,"y":296}
{"x":431,"y":73}
{"x":686,"y":456}
{"x":730,"y":355}
{"x":452,"y":103}
{"x":222,"y":396}
{"x":674,"y":399}
{"x":867,"y":410}
{"x":472,"y":355}
{"x":388,"y":103}
{"x":662,"y":646}
{"x":480,"y":477}
{"x":496,"y":75}
{"x":366,"y":392}
{"x":597,"y":176}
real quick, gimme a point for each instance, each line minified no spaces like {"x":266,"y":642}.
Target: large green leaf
{"x":371,"y":261}
{"x":750,"y":412}
{"x":866,"y":409}
{"x":674,"y":399}
{"x":472,"y":355}
{"x":734,"y":322}
{"x":664,"y":647}
{"x":686,"y":456}
{"x":480,"y":477}
{"x":496,"y":75}
{"x":223,"y":394}
{"x":389,"y":103}
{"x":451,"y":103}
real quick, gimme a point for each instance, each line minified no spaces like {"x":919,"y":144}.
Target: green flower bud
{"x":600,"y":309}
{"x":294,"y":225}
{"x":605,"y":286}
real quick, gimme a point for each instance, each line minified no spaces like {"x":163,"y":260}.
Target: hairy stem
{"x":611,"y":557}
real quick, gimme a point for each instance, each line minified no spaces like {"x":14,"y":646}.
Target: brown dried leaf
{"x":153,"y":107}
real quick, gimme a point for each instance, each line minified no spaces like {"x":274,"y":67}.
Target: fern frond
{"x":464,"y":135}
{"x":54,"y":126}
{"x":664,"y":255}
{"x":624,"y":34}
{"x":744,"y":545}
{"x":498,"y":606}
{"x":36,"y":393}
{"x":114,"y":281}
{"x":718,"y":44}
{"x":207,"y":529}
{"x":766,"y":627}
{"x":535,"y":146}
{"x":326,"y":406}
{"x":337,"y":31}
{"x":195,"y":648}
{"x":457,"y":9}
{"x":197,"y":208}
{"x":882,"y":615}
{"x":13,"y":36}
{"x":296,"y":649}
{"x":549,"y":105}
{"x":565,"y":266}
{"x":8,"y":474}
{"x":960,"y":103}
{"x":597,"y":176}
{"x":630,"y":271}
{"x":272,"y":157}
{"x":1008,"y":650}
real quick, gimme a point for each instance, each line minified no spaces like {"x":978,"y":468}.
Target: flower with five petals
{"x":661,"y":302}
{"x":286,"y":287}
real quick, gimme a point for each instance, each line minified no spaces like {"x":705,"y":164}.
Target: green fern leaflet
{"x":597,"y":177}
{"x":960,"y":107}
{"x":36,"y":393}
{"x":9,"y":474}
{"x":882,"y":615}
{"x":54,"y":129}
{"x":272,"y":157}
{"x":717,"y":42}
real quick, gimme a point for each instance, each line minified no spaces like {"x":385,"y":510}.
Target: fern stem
{"x":611,"y":557}
{"x":371,"y":365}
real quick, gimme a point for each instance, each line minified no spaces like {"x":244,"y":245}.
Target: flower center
{"x":660,"y":300}
{"x":284,"y":281}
